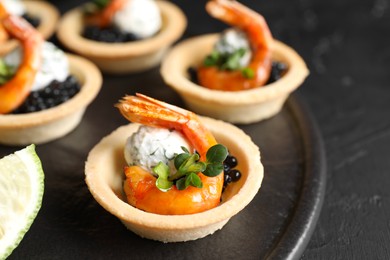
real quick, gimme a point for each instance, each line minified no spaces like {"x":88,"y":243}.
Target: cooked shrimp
{"x":3,"y":11}
{"x":3,"y":32}
{"x":15,"y":91}
{"x":105,"y":16}
{"x":140,"y":186}
{"x":260,"y":38}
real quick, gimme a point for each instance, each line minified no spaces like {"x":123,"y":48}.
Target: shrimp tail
{"x":260,"y":38}
{"x":237,"y":14}
{"x":148,"y":111}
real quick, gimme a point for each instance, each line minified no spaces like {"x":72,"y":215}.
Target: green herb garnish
{"x":225,"y":61}
{"x":101,"y":3}
{"x":95,"y":6}
{"x":6,"y":72}
{"x":248,"y":73}
{"x":213,"y":59}
{"x":229,"y":61}
{"x":188,"y":165}
{"x":162,"y":170}
{"x":232,"y":61}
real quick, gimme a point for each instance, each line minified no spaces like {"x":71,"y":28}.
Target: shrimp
{"x":140,"y":186}
{"x":3,"y":11}
{"x":3,"y":32}
{"x":260,"y":38}
{"x":15,"y":91}
{"x":104,"y":17}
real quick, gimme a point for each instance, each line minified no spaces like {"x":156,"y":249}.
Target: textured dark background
{"x":346,"y":44}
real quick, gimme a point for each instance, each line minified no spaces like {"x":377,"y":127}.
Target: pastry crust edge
{"x":247,"y":106}
{"x":120,"y":58}
{"x":47,"y":125}
{"x":47,"y":13}
{"x":105,"y":162}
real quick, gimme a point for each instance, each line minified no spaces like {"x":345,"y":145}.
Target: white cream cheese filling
{"x":232,"y":40}
{"x":139,"y":17}
{"x":15,"y":7}
{"x":54,"y":65}
{"x":150,"y":145}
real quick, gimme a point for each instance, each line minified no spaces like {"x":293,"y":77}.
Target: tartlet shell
{"x":47,"y":125}
{"x":104,"y":177}
{"x":47,"y":13}
{"x":120,"y":58}
{"x":247,"y":106}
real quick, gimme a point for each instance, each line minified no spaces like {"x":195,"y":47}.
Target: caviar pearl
{"x":234,"y":174}
{"x":52,"y":95}
{"x":227,"y":180}
{"x":109,"y":34}
{"x":230,"y":174}
{"x":226,"y":168}
{"x":277,"y":71}
{"x":231,"y":161}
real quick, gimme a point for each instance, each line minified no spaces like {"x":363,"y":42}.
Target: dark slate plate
{"x":277,"y":224}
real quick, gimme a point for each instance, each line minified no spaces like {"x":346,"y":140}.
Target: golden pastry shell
{"x":48,"y":15}
{"x":120,"y":58}
{"x":244,"y":107}
{"x":104,"y":177}
{"x":47,"y":125}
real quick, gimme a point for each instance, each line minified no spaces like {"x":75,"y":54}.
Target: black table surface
{"x":346,"y":45}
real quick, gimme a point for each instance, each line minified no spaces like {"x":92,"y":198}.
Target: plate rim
{"x":297,"y":234}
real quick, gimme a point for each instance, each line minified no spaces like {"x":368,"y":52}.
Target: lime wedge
{"x":21,"y":191}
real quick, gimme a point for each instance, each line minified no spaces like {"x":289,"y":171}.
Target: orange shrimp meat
{"x":140,"y":185}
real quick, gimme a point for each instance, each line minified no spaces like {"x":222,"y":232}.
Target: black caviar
{"x":52,"y":95}
{"x":278,"y":69}
{"x":230,"y":173}
{"x":109,"y":34}
{"x":34,"y":21}
{"x":193,"y":75}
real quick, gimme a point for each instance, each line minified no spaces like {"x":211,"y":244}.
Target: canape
{"x":43,"y":91}
{"x":45,"y":13}
{"x":50,"y":124}
{"x":169,"y":213}
{"x":123,"y":57}
{"x":235,"y":93}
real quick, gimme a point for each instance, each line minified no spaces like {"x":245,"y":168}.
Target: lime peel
{"x":21,"y":192}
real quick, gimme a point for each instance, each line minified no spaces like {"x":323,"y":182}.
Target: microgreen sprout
{"x":248,"y":73}
{"x":229,"y":61}
{"x":188,"y":166}
{"x":162,"y":170}
{"x":6,"y":72}
{"x":95,"y":6}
